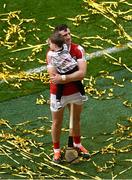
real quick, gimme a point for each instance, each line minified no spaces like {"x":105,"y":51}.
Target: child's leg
{"x":80,"y":87}
{"x":59,"y":91}
{"x":59,"y":95}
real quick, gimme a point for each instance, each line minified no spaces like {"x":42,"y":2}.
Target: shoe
{"x":83,"y":152}
{"x":58,"y":105}
{"x":84,"y":98}
{"x":57,"y":157}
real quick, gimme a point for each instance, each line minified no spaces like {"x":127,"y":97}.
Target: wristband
{"x":63,"y":77}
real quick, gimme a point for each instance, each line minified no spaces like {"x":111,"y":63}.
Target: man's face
{"x":67,"y":36}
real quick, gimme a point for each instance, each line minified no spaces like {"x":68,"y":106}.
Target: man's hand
{"x":57,"y":79}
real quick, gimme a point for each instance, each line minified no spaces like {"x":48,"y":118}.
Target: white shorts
{"x":74,"y":98}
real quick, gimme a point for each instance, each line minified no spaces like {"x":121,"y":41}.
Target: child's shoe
{"x":58,"y":105}
{"x":84,"y":98}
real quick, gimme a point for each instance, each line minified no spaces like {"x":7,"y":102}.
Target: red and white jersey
{"x":77,"y":52}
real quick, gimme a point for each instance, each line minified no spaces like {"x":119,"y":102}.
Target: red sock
{"x":76,"y":139}
{"x":56,"y":145}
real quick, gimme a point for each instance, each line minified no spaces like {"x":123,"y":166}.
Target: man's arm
{"x":78,"y":75}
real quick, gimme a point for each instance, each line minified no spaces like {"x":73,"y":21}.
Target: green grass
{"x":100,"y":128}
{"x":41,"y":11}
{"x":106,"y":119}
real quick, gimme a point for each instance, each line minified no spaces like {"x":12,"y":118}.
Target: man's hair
{"x":61,"y":27}
{"x":57,"y":39}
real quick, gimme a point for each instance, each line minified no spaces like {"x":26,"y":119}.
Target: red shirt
{"x":76,"y":52}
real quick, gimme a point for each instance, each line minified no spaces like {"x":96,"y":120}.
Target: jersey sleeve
{"x":81,"y":53}
{"x":49,"y":59}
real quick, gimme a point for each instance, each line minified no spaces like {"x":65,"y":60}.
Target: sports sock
{"x":76,"y":139}
{"x":56,"y":145}
{"x":57,"y":150}
{"x":77,"y":145}
{"x":70,"y":141}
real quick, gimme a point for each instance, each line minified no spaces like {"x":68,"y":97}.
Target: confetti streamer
{"x":18,"y":141}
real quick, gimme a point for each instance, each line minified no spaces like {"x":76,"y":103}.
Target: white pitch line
{"x":88,"y":57}
{"x":36,"y":70}
{"x":108,"y":51}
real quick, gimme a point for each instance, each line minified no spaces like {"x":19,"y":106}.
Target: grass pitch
{"x":25,"y":119}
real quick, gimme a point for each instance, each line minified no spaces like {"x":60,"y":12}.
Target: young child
{"x":60,"y":61}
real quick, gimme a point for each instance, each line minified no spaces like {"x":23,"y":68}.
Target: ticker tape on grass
{"x":108,"y":51}
{"x":88,"y":57}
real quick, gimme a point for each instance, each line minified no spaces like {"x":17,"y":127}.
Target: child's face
{"x":52,"y":45}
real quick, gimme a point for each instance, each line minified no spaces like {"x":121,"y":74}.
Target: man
{"x":62,"y":63}
{"x":70,"y":95}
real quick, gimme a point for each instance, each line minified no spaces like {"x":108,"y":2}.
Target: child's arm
{"x":50,"y":67}
{"x":51,"y":70}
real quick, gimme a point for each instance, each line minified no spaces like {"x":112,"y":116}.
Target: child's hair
{"x":57,"y":39}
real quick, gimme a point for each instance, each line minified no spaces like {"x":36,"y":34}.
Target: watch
{"x":63,"y":77}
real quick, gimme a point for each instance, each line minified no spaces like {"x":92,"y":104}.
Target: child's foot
{"x":58,"y":105}
{"x":84,"y":98}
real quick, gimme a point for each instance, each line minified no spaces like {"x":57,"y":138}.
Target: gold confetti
{"x":22,"y":142}
{"x":5,"y":122}
{"x":127,"y":104}
{"x":50,"y":18}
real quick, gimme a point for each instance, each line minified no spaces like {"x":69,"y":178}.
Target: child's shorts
{"x":75,"y":98}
